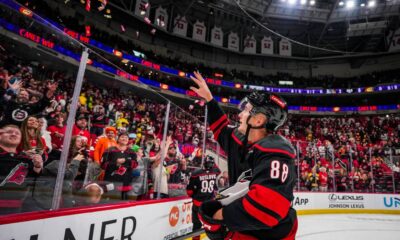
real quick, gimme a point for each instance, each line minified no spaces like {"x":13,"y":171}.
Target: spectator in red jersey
{"x":323,"y":180}
{"x":57,"y":133}
{"x":80,"y":127}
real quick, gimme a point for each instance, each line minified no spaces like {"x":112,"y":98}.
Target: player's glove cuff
{"x":214,"y":228}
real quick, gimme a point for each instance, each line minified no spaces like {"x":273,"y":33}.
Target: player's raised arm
{"x":202,"y":89}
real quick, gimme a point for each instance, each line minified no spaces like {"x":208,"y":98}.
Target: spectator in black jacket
{"x":17,"y":170}
{"x":16,"y":110}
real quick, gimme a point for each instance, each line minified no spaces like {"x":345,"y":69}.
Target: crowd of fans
{"x":353,"y":153}
{"x":115,"y":40}
{"x":114,"y":152}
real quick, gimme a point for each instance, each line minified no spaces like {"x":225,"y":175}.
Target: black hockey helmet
{"x":208,"y":162}
{"x":273,"y":106}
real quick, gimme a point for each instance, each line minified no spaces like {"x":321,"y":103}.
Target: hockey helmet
{"x":208,"y":162}
{"x":273,"y":106}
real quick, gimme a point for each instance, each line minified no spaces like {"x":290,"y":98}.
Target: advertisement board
{"x":156,"y":220}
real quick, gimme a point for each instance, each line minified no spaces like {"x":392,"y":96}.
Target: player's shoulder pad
{"x":196,"y":173}
{"x":275,"y":144}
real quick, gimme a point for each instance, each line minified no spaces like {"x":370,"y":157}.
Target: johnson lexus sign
{"x":345,"y":201}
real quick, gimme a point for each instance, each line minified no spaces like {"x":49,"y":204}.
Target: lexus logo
{"x":335,"y":197}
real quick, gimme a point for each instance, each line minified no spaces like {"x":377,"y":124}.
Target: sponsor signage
{"x":170,"y":219}
{"x":300,"y":201}
{"x":345,"y":201}
{"x":391,"y":202}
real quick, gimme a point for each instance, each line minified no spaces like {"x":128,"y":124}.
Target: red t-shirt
{"x":55,"y":140}
{"x":79,"y":132}
{"x":323,"y":179}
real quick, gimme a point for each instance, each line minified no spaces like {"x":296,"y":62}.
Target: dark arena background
{"x":101,"y":134}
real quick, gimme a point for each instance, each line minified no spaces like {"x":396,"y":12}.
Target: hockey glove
{"x":214,"y":228}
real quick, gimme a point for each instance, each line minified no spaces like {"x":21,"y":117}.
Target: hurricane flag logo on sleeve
{"x":17,"y":175}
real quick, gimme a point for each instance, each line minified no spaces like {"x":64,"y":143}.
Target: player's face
{"x":243,"y":116}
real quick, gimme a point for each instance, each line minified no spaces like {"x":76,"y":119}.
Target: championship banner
{"x":285,"y":48}
{"x":199,"y":31}
{"x":395,"y":43}
{"x":249,"y":45}
{"x":142,"y":8}
{"x":233,"y":41}
{"x":267,"y":46}
{"x":180,"y":26}
{"x":162,"y":219}
{"x":217,"y":36}
{"x":161,"y":18}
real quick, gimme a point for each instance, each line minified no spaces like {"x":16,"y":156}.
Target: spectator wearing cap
{"x":105,"y":142}
{"x":17,"y":170}
{"x":118,"y":162}
{"x":99,"y":121}
{"x":80,"y":127}
{"x":16,"y":111}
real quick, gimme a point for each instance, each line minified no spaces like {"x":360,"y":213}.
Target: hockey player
{"x":265,"y":212}
{"x":202,"y":186}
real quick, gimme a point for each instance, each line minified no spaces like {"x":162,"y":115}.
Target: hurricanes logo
{"x":17,"y":175}
{"x":19,"y":115}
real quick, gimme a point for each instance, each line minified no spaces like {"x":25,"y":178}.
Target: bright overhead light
{"x":350,"y":4}
{"x":303,"y":2}
{"x":362,"y":4}
{"x":312,"y":2}
{"x":341,"y":3}
{"x":371,"y":3}
{"x":292,"y":2}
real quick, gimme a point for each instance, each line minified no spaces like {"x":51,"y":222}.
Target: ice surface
{"x":349,"y":226}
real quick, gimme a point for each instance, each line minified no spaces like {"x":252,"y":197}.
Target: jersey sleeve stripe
{"x":258,"y":214}
{"x":274,"y":150}
{"x":265,"y":210}
{"x":274,"y":201}
{"x":236,"y":139}
{"x":216,"y":134}
{"x":214,"y":125}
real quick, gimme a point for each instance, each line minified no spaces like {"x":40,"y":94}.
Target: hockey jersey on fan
{"x":265,"y":212}
{"x":203,"y":185}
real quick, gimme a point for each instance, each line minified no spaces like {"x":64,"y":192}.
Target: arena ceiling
{"x":328,"y":24}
